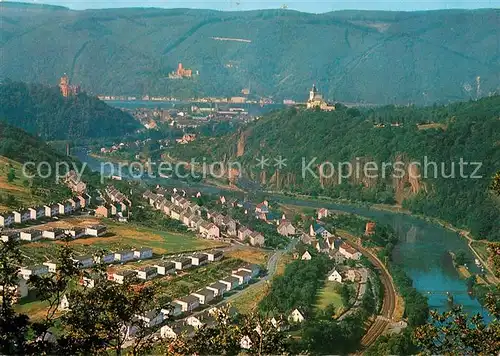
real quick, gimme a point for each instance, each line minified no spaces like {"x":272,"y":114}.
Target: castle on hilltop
{"x":181,"y":73}
{"x":316,"y":101}
{"x":66,"y":88}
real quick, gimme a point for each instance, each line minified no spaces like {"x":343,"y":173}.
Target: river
{"x":422,"y":250}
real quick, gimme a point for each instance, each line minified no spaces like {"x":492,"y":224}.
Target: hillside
{"x":44,"y":112}
{"x":443,"y":134}
{"x":353,"y":56}
{"x":16,"y":148}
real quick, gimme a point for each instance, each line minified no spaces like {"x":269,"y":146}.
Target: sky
{"x":314,"y":6}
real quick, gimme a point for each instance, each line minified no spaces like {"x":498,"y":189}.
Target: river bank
{"x":397,"y":209}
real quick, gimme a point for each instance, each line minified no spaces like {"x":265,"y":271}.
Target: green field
{"x":119,"y":237}
{"x":329,"y":295}
{"x":179,"y":286}
{"x":17,"y":187}
{"x":482,"y":249}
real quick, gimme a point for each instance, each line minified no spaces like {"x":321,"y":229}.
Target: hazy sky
{"x":301,"y":5}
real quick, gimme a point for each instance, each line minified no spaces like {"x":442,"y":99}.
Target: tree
{"x":13,"y":326}
{"x":224,"y":337}
{"x":11,"y":175}
{"x":461,"y":258}
{"x":98,"y":320}
{"x":345,"y":294}
{"x":495,"y":184}
{"x":102,"y":317}
{"x":454,"y":333}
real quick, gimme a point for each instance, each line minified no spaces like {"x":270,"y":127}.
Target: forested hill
{"x":21,"y":147}
{"x":44,"y":112}
{"x":443,"y":134}
{"x":420,"y":57}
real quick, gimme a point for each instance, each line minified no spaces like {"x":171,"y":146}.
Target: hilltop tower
{"x":64,"y":85}
{"x":313,"y":92}
{"x":316,"y":101}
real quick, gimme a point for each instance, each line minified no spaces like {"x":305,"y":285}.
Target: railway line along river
{"x":422,"y":250}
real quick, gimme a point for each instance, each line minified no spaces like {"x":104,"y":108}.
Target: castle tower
{"x":313,"y":92}
{"x":311,"y":230}
{"x":64,"y":85}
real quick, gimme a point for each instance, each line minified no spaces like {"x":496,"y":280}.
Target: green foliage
{"x":416,"y":307}
{"x":349,"y":55}
{"x":19,"y":146}
{"x":396,"y":344}
{"x":327,"y":337}
{"x":11,"y":175}
{"x":347,"y":293}
{"x":13,"y":326}
{"x":297,"y":287}
{"x":455,"y":333}
{"x":44,"y":112}
{"x":225,"y":336}
{"x":461,"y":258}
{"x":148,"y":217}
{"x":495,"y":184}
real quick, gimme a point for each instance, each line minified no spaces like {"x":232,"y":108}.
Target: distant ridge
{"x":379,"y":57}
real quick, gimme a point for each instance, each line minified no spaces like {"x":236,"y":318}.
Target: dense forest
{"x":22,"y":147}
{"x":420,"y":57}
{"x":44,"y":112}
{"x":414,"y":136}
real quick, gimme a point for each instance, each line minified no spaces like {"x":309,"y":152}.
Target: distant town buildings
{"x":181,"y":73}
{"x":66,"y":88}
{"x":316,"y":101}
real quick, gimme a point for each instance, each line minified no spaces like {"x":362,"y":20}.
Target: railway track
{"x":388,"y":304}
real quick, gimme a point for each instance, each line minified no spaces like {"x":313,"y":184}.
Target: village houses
{"x":124,"y":256}
{"x":182,"y":263}
{"x":335,"y":276}
{"x":83,"y":261}
{"x":218,"y":288}
{"x":6,"y":219}
{"x":37,"y":212}
{"x":151,"y":318}
{"x":124,"y":276}
{"x":306,"y":256}
{"x":30,"y":235}
{"x":52,"y":266}
{"x":230,"y":282}
{"x":322,"y":213}
{"x":349,"y":252}
{"x":209,"y":230}
{"x":165,"y":268}
{"x":38,"y":270}
{"x":147,"y":273}
{"x":176,"y":329}
{"x":143,"y":253}
{"x":204,"y":295}
{"x":10,"y":236}
{"x":188,"y":303}
{"x":256,"y":239}
{"x":22,"y":216}
{"x":214,"y":255}
{"x":53,"y":234}
{"x":199,"y":259}
{"x":95,"y":230}
{"x":285,"y":228}
{"x":75,"y":232}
